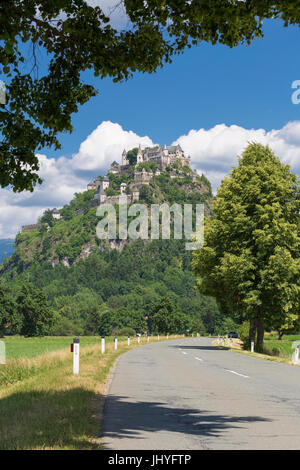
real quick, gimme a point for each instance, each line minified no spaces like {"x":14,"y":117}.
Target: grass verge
{"x":52,"y":409}
{"x":267,"y":357}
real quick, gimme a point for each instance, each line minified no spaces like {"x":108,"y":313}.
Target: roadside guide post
{"x":128,"y":341}
{"x":103,"y":345}
{"x":2,"y":353}
{"x":295,"y":356}
{"x":116,"y":343}
{"x":252,"y":346}
{"x":75,"y":356}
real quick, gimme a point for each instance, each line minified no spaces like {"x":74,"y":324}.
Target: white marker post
{"x":157,"y":337}
{"x":128,"y":341}
{"x":295,"y":357}
{"x":167,"y":336}
{"x":252,"y":346}
{"x":116,"y":343}
{"x":102,"y":345}
{"x":139,"y":338}
{"x":76,"y":356}
{"x":2,"y":353}
{"x":148,"y":338}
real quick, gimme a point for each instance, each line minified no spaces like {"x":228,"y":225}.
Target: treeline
{"x":27,"y":313}
{"x":112,"y":289}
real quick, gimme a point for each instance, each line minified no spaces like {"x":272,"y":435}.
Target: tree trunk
{"x":252,"y":331}
{"x":280,"y":335}
{"x":260,"y":333}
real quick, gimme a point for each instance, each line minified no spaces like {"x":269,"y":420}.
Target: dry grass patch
{"x":51,"y":408}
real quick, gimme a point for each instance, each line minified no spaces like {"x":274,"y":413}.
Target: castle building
{"x":139,"y":157}
{"x":125,"y":161}
{"x":162,"y":156}
{"x":56,"y":214}
{"x":143,"y":176}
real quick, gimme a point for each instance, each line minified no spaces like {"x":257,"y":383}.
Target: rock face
{"x":65,"y":262}
{"x":87,"y":249}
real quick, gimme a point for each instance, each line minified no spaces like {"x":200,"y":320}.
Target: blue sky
{"x":212,"y":100}
{"x":249,"y":86}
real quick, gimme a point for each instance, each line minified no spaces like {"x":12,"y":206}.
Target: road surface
{"x":186,"y":394}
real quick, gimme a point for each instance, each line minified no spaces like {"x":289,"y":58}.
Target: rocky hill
{"x":72,"y":235}
{"x":91,"y":282}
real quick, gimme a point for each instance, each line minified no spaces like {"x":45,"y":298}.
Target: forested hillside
{"x":93,"y":285}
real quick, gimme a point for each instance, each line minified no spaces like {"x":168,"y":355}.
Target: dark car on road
{"x":233,"y":334}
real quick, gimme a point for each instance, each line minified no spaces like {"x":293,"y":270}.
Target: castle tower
{"x":139,"y":157}
{"x":123,"y":187}
{"x":105,"y":183}
{"x":124,"y":158}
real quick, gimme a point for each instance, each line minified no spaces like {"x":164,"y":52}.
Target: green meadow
{"x":43,"y":405}
{"x":18,"y":347}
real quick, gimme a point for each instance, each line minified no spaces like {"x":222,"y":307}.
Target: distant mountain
{"x":6,"y":247}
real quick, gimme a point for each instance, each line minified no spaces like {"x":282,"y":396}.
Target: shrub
{"x":126,"y":331}
{"x":243,"y":332}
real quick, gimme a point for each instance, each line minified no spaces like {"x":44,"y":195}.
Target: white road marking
{"x":198,"y":358}
{"x":183,"y":352}
{"x":236,"y":373}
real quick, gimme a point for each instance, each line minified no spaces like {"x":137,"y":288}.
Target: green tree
{"x":93,"y":322}
{"x":10,"y":320}
{"x":166,"y":318}
{"x":115,"y":320}
{"x":291,"y":325}
{"x":47,"y":218}
{"x":196,"y":326}
{"x":37,"y":316}
{"x":250,"y":259}
{"x":131,"y":156}
{"x":74,"y":37}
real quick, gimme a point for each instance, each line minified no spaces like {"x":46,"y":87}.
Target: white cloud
{"x":65,"y":176}
{"x":113,"y":9}
{"x":104,"y":145}
{"x":213,"y":152}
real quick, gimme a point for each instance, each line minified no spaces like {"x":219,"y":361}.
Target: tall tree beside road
{"x":73,"y":36}
{"x":250,"y":258}
{"x":37,"y":316}
{"x":10,"y":320}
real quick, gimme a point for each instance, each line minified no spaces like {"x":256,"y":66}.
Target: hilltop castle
{"x":163,"y":157}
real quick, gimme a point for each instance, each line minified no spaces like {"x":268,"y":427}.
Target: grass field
{"x":281,"y":348}
{"x":44,"y":406}
{"x":19,"y":347}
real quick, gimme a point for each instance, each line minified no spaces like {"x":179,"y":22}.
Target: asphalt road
{"x":186,"y":394}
